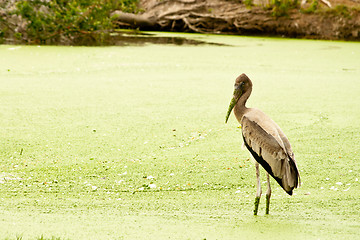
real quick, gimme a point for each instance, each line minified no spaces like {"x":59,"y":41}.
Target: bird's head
{"x":242,"y":84}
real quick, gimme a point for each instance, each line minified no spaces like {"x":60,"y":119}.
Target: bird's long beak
{"x":236,"y":95}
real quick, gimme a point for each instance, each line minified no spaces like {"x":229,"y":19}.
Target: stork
{"x":265,"y":141}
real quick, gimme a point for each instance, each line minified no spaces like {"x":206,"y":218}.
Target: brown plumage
{"x":265,"y":140}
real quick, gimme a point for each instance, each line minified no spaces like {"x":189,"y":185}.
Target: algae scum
{"x":130,"y":142}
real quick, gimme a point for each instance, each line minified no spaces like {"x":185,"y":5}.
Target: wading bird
{"x":266,"y":142}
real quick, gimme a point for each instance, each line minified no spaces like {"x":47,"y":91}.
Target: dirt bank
{"x":333,"y":20}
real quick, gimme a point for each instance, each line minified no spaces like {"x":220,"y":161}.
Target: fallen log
{"x":134,"y":20}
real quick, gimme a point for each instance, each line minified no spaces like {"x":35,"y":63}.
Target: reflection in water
{"x":133,"y":38}
{"x":118,"y":38}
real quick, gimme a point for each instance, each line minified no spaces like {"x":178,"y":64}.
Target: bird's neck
{"x":240,"y":108}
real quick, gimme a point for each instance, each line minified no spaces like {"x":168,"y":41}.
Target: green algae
{"x":130,"y":142}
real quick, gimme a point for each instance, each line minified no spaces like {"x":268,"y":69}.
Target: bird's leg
{"x":258,"y":191}
{"x":268,"y":194}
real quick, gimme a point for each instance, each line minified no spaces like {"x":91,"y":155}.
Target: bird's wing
{"x":263,"y":139}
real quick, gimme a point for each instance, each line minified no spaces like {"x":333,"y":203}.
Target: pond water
{"x":126,"y":38}
{"x":74,"y":116}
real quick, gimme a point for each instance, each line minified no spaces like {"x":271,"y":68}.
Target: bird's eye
{"x":242,"y":84}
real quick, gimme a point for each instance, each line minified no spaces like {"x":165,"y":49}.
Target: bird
{"x":265,"y":141}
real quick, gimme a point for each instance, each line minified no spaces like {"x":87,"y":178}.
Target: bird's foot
{"x":257,"y":201}
{"x":267,"y":204}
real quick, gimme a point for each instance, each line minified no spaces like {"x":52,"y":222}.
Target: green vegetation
{"x":49,"y":21}
{"x":341,"y":10}
{"x":281,"y":8}
{"x":312,"y":8}
{"x":130,"y":142}
{"x":248,"y":3}
{"x":338,"y":10}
